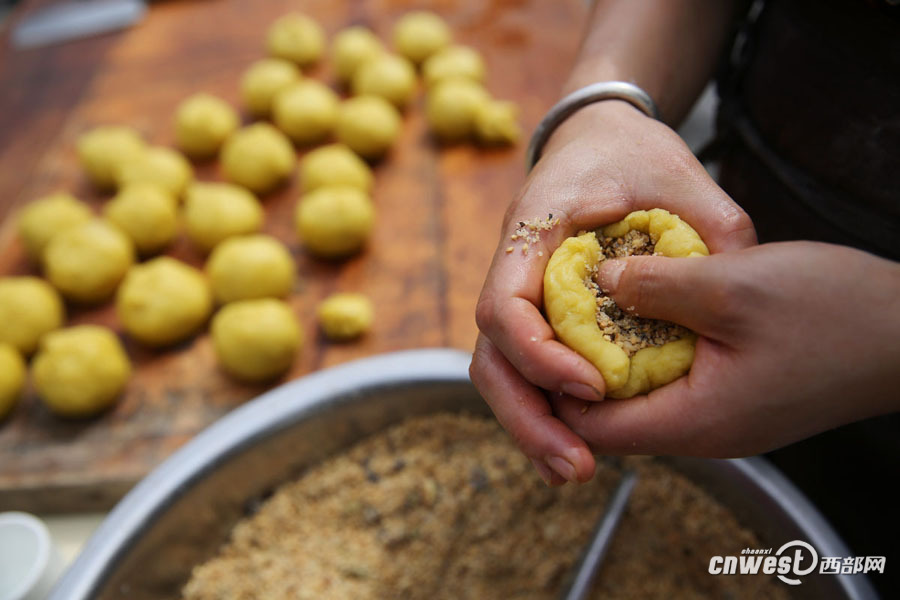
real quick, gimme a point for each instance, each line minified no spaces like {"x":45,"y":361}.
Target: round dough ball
{"x":262,"y":82}
{"x":258,"y":157}
{"x":454,"y":61}
{"x":451,"y":108}
{"x":251,"y":266}
{"x":12,"y":378}
{"x":203,"y":123}
{"x":163,"y":167}
{"x":80,"y":371}
{"x":216,"y":211}
{"x":306,"y":111}
{"x":368,"y":125}
{"x":419,"y":34}
{"x":389,"y":76}
{"x":297,"y":38}
{"x":352,"y":47}
{"x":256,"y":340}
{"x":345,"y":316}
{"x":29,"y":308}
{"x":87,"y":262}
{"x":163,"y":301}
{"x":104,"y":149}
{"x":47,"y":216}
{"x":335,"y":221}
{"x":496,"y":124}
{"x":335,"y":164}
{"x":147,"y":215}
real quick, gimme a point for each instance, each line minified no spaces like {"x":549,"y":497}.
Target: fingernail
{"x":609,"y":274}
{"x":582,"y":391}
{"x":565,"y":469}
{"x":543,"y":470}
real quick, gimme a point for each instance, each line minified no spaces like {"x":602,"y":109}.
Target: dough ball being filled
{"x":306,"y":111}
{"x":162,"y":167}
{"x":250,"y":266}
{"x":47,"y":216}
{"x":87,"y":262}
{"x":147,"y":215}
{"x":297,"y":38}
{"x":216,"y":211}
{"x":453,"y":62}
{"x":262,"y":82}
{"x":345,"y":316}
{"x":352,"y":47}
{"x":496,"y":123}
{"x":335,"y":221}
{"x":256,"y":340}
{"x":163,"y":301}
{"x":368,"y":125}
{"x":335,"y":164}
{"x":12,"y":378}
{"x":80,"y":371}
{"x":451,"y":108}
{"x":387,"y":75}
{"x":103,"y":150}
{"x":258,"y":157}
{"x":419,"y":34}
{"x":29,"y":308}
{"x":202,"y":124}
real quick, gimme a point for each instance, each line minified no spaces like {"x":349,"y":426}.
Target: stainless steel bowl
{"x":180,"y":513}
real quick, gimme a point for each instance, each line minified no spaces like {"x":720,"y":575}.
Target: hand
{"x":604,"y":162}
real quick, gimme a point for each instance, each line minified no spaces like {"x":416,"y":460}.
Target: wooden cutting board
{"x":438,"y":212}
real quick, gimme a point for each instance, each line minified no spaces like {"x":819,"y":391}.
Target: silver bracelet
{"x":604,"y":90}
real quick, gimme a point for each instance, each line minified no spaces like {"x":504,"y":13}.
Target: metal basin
{"x":180,"y":513}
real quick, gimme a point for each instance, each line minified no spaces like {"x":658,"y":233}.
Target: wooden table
{"x":438,"y":212}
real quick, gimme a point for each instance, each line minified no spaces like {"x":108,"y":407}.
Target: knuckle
{"x":485,"y":314}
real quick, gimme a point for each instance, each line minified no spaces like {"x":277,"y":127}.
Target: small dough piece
{"x":345,"y":316}
{"x":387,"y":75}
{"x":103,"y":150}
{"x":80,"y":371}
{"x":306,"y":111}
{"x":256,"y":340}
{"x":454,"y":62}
{"x":297,"y":38}
{"x":451,"y":107}
{"x":250,"y":266}
{"x":216,"y":211}
{"x":262,"y":82}
{"x":419,"y":34}
{"x":29,"y":308}
{"x":496,"y":124}
{"x":351,"y":48}
{"x":147,"y":215}
{"x":163,"y":301}
{"x":87,"y":262}
{"x":335,"y":221}
{"x":258,"y":157}
{"x":12,"y":378}
{"x":163,"y":167}
{"x":335,"y":164}
{"x":368,"y":125}
{"x":47,"y":216}
{"x":202,"y":124}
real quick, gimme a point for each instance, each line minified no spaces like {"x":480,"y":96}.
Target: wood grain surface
{"x":438,"y":212}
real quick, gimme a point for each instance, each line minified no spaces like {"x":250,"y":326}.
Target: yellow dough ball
{"x":296,"y":38}
{"x":306,"y":111}
{"x":29,"y":308}
{"x":345,"y":316}
{"x":262,"y":82}
{"x":256,"y":340}
{"x":389,"y":76}
{"x":87,"y":262}
{"x":453,"y":62}
{"x":47,"y":216}
{"x":258,"y":157}
{"x":352,"y":47}
{"x":12,"y":378}
{"x":368,"y":125}
{"x":335,"y":221}
{"x":163,"y":167}
{"x":103,"y":150}
{"x":147,"y":215}
{"x":216,"y":211}
{"x":251,"y":266}
{"x":496,"y":123}
{"x":418,"y":35}
{"x":451,"y":108}
{"x":163,"y":301}
{"x":203,"y":123}
{"x":80,"y":371}
{"x":334,"y":164}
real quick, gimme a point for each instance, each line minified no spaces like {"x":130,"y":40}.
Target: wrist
{"x":585,"y":123}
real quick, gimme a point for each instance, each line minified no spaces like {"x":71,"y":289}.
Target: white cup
{"x":29,"y":563}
